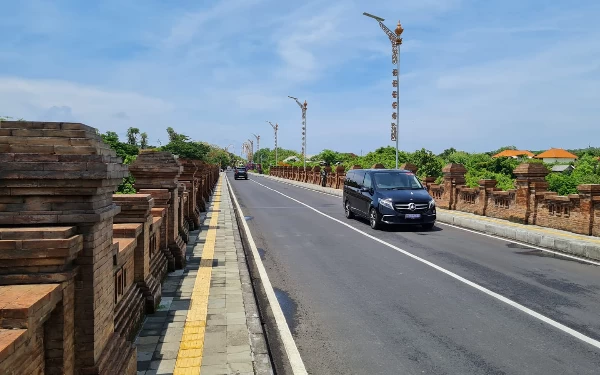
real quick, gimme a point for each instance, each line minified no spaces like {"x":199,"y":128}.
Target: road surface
{"x":355,"y":305}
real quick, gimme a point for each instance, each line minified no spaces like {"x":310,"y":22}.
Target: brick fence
{"x":79,"y":266}
{"x":529,"y":203}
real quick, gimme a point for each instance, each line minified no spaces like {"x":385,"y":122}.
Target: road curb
{"x":509,"y":231}
{"x":284,"y":353}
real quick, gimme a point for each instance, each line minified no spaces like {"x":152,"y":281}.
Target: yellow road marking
{"x":189,"y":357}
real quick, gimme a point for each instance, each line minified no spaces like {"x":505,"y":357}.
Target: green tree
{"x":144,"y":140}
{"x":447,"y":152}
{"x":429,"y":165}
{"x":328,"y":156}
{"x":127,"y":153}
{"x":122,"y":149}
{"x":132,"y":134}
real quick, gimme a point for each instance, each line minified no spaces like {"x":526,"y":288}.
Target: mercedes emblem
{"x":411,"y":206}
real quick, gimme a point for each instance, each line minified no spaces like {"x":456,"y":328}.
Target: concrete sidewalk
{"x":548,"y":238}
{"x":208,"y":320}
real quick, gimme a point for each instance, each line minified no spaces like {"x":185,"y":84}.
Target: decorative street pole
{"x":396,"y":42}
{"x":275,"y":128}
{"x":227,"y":150}
{"x":257,"y":146}
{"x":251,"y":157}
{"x":303,"y":108}
{"x":244,"y":150}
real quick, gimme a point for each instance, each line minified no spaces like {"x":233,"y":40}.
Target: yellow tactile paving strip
{"x":531,"y":228}
{"x":189,"y":357}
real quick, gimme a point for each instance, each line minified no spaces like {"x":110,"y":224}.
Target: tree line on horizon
{"x":179,"y":144}
{"x":479,"y":165}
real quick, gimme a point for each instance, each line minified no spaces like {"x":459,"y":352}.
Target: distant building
{"x":557,"y":155}
{"x":291,"y":159}
{"x":563,"y":168}
{"x":515,"y":154}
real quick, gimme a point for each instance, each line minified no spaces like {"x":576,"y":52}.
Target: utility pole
{"x":303,"y":107}
{"x":396,"y":43}
{"x":275,"y":128}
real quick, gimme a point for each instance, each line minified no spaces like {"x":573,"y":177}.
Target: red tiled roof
{"x":513,"y":153}
{"x":558,"y":153}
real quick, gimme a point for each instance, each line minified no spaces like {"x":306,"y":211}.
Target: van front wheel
{"x":374,"y":219}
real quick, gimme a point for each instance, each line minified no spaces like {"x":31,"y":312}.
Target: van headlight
{"x":432,"y":204}
{"x":386,"y":203}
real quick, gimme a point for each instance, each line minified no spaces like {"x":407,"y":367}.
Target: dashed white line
{"x":495,"y":295}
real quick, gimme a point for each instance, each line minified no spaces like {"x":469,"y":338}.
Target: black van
{"x":388,"y":196}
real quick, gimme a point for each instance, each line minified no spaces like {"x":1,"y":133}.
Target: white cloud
{"x":218,"y":72}
{"x":52,"y":100}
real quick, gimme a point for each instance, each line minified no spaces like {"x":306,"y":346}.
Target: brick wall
{"x":86,"y":264}
{"x":529,"y":202}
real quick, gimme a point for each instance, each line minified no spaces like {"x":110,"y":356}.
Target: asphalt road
{"x":357,"y":306}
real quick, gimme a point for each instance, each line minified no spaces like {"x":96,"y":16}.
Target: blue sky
{"x":475,"y":75}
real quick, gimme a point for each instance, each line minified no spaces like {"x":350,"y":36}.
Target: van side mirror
{"x":365,"y":190}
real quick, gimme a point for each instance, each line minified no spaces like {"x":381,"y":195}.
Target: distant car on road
{"x":388,"y":196}
{"x":240,"y":172}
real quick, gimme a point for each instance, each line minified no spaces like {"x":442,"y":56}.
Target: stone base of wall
{"x":184,"y":231}
{"x":178,"y":251}
{"x":116,"y":358}
{"x":159,"y":265}
{"x":152,"y":292}
{"x":129,"y":313}
{"x":170,"y":259}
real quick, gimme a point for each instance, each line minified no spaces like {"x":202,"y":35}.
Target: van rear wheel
{"x":347,"y":211}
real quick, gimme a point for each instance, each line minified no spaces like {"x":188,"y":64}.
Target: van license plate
{"x":412,"y":216}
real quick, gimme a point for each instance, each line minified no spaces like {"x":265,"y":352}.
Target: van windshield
{"x":396,"y":181}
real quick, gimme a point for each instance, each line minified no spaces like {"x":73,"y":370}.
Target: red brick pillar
{"x":340,"y":172}
{"x":486,"y":188}
{"x":531,"y":179}
{"x":189,"y":178}
{"x":454,"y":175}
{"x":590,"y":204}
{"x":155,"y":171}
{"x":409,"y":167}
{"x":137,"y":208}
{"x":184,"y":229}
{"x":316,"y":175}
{"x":200,"y":176}
{"x":62,"y":174}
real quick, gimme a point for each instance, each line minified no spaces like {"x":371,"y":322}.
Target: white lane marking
{"x":286,"y":335}
{"x":524,"y":244}
{"x":476,"y":232}
{"x":499,"y":297}
{"x":301,"y":187}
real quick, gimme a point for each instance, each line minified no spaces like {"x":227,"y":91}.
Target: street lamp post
{"x":275,"y":128}
{"x":303,"y":107}
{"x":227,"y":151}
{"x":257,"y":143}
{"x":396,"y":43}
{"x":251,"y":157}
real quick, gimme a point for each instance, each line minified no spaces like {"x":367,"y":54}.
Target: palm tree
{"x":144,"y":140}
{"x":132,"y":134}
